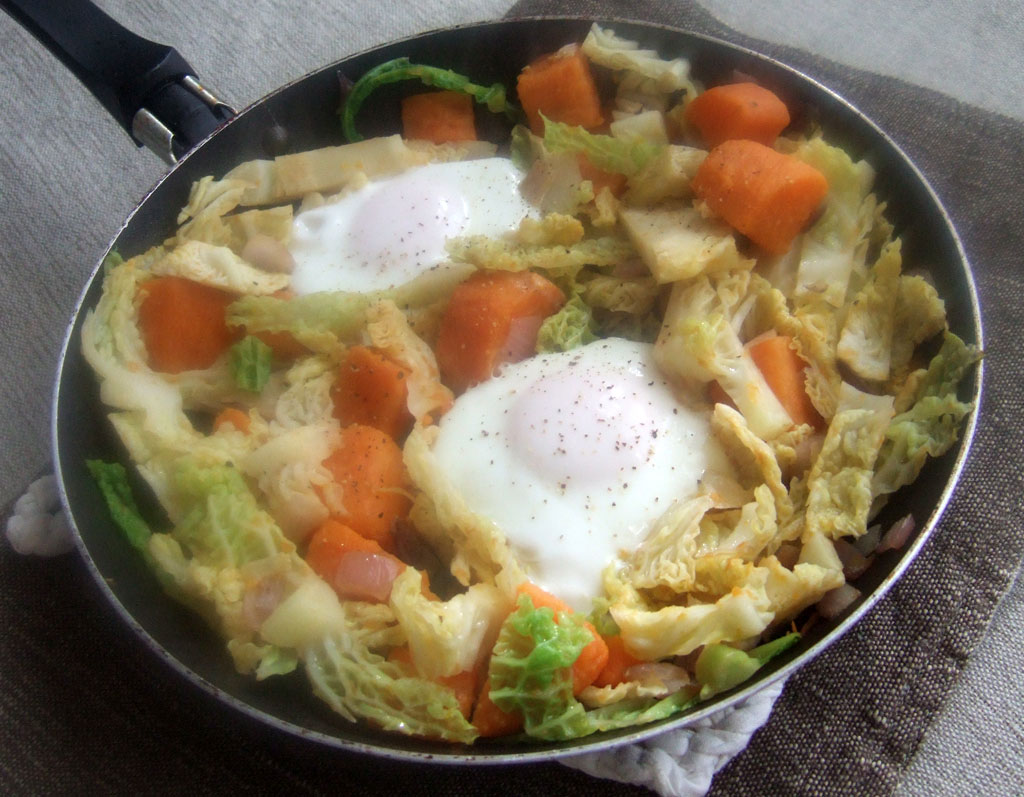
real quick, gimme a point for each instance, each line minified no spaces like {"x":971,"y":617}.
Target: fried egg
{"x":574,"y":456}
{"x":390,"y":231}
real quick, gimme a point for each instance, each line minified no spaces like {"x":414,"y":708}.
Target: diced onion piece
{"x":898,"y":534}
{"x":366,"y":576}
{"x":868,"y":541}
{"x":659,"y":674}
{"x":854,"y":562}
{"x":268,"y":254}
{"x":522,"y":339}
{"x":837,"y":600}
{"x":261,"y":600}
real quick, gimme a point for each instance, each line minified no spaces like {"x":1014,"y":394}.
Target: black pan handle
{"x":147,"y":87}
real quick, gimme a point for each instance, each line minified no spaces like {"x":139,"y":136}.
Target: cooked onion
{"x":854,"y":562}
{"x":659,"y":674}
{"x":366,"y":576}
{"x":552,"y":184}
{"x":896,"y":537}
{"x":268,"y":254}
{"x":837,"y":600}
{"x":261,"y":600}
{"x":868,"y":541}
{"x":806,"y":450}
{"x":522,"y":339}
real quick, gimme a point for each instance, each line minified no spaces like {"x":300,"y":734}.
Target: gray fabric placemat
{"x":851,"y":720}
{"x":87,"y":708}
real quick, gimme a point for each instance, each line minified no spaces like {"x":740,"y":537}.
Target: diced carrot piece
{"x":590,"y":662}
{"x":368,"y":468}
{"x":464,"y":687}
{"x":738,"y":110}
{"x":439,"y":116}
{"x":490,"y":721}
{"x":599,"y":178}
{"x":783,"y":370}
{"x":619,"y":660}
{"x":561,"y":86}
{"x":371,"y":389}
{"x":592,"y":658}
{"x":183,"y":324}
{"x":231,"y":416}
{"x":766,"y":195}
{"x":475,"y":331}
{"x":355,"y":567}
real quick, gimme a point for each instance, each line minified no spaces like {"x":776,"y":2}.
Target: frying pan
{"x":302,"y":115}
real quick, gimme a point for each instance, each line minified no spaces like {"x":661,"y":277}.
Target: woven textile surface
{"x":88,"y":709}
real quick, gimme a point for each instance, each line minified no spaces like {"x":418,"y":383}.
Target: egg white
{"x":392,"y":230}
{"x":574,"y":456}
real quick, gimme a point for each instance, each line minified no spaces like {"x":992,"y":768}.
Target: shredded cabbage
{"x":833,"y":250}
{"x":359,"y":683}
{"x":530,"y":671}
{"x":865,"y":343}
{"x":677,"y":242}
{"x":731,"y":561}
{"x":603,"y":46}
{"x":930,"y":426}
{"x":571,"y":327}
{"x":621,"y":155}
{"x":839,"y":483}
{"x":447,"y":637}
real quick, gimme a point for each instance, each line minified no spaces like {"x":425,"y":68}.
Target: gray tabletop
{"x":68,"y":177}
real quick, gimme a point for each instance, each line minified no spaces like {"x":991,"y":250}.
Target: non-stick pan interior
{"x":303,"y":115}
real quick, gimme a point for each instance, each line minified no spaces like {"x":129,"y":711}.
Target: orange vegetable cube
{"x":619,"y":660}
{"x":490,"y":721}
{"x":231,"y":416}
{"x":766,"y":195}
{"x":599,"y":178}
{"x":371,"y":389}
{"x":783,"y":370}
{"x":561,"y":86}
{"x":183,"y":324}
{"x":738,"y":110}
{"x":438,"y":116}
{"x":476,"y":332}
{"x":368,"y":469}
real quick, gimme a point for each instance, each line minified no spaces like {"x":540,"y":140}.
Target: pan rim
{"x":598,"y":742}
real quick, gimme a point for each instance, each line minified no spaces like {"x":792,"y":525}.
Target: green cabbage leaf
{"x":840,"y":480}
{"x":222,"y":524}
{"x":698,"y":344}
{"x":606,"y":48}
{"x":359,"y":683}
{"x":530,"y":671}
{"x":250,"y":361}
{"x":571,"y":327}
{"x":930,"y":426}
{"x":865,"y":342}
{"x":626,"y":156}
{"x":399,"y":69}
{"x":835,"y":247}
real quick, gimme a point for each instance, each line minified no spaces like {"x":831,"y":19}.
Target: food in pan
{"x":532,"y":444}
